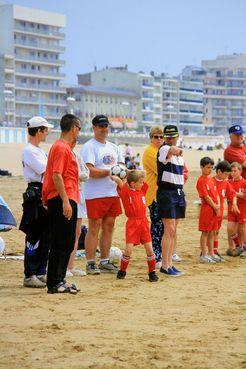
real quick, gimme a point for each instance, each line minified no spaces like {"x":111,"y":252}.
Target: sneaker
{"x":176,"y":258}
{"x":69,"y":274}
{"x":177,"y":270}
{"x":216,"y":258}
{"x":236,"y":252}
{"x":221,"y":257}
{"x":170,"y":272}
{"x":206,"y":259}
{"x":243,"y":254}
{"x":158,"y":264}
{"x":77,"y":272}
{"x":42,"y":278}
{"x":121,"y":274}
{"x":33,"y":282}
{"x":80,"y":254}
{"x":92,"y":268}
{"x":108,"y":267}
{"x":153,"y":277}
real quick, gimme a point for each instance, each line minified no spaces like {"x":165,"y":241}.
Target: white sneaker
{"x":33,"y":282}
{"x":78,"y":272}
{"x":176,"y":258}
{"x":69,"y":274}
{"x":158,"y":264}
{"x":216,"y":258}
{"x":206,"y":259}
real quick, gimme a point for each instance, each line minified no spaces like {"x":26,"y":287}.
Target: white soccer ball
{"x":118,"y":171}
{"x":115,"y":254}
{"x":2,"y":245}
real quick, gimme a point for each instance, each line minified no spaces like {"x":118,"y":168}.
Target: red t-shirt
{"x":239,"y":186}
{"x":133,"y":201}
{"x":61,"y":160}
{"x":233,"y":153}
{"x":206,"y":187}
{"x":224,"y":190}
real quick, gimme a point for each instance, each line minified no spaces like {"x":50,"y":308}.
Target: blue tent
{"x":7,"y":220}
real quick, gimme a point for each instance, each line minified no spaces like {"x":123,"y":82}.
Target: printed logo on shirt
{"x":108,"y":159}
{"x":208,"y":188}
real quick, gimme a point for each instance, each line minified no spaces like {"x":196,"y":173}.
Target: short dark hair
{"x":34,"y":130}
{"x":205,"y":161}
{"x":223,"y":166}
{"x":68,"y":121}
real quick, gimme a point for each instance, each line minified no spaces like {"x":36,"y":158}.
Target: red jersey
{"x":239,"y":186}
{"x":61,"y":160}
{"x":233,"y":153}
{"x":206,"y":187}
{"x":224,"y":190}
{"x":133,"y":201}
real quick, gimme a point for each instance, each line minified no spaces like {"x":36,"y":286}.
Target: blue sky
{"x":157,"y":35}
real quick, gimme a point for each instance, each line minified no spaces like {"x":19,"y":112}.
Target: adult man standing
{"x":170,"y":195}
{"x":102,"y":201}
{"x":236,"y":151}
{"x":150,"y":166}
{"x":34,"y":220}
{"x":61,"y":194}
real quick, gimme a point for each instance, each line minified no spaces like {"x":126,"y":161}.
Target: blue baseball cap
{"x":236,"y":130}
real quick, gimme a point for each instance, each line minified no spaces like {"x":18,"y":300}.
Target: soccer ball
{"x":115,"y":254}
{"x":118,"y":171}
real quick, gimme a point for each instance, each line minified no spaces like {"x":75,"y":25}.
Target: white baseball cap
{"x":35,"y":122}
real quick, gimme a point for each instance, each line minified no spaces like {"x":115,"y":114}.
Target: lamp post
{"x":8,"y":98}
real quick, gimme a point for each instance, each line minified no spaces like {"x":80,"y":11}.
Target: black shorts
{"x":171,"y":203}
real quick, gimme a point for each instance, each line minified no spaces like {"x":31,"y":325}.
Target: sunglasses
{"x":79,"y":128}
{"x":156,"y":137}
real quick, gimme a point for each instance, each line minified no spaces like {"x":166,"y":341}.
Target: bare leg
{"x":106,"y":236}
{"x":91,"y":238}
{"x":203,"y":243}
{"x":210,"y":242}
{"x":168,"y":241}
{"x":72,"y":256}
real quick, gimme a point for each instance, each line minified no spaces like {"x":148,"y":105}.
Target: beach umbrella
{"x":7,"y":220}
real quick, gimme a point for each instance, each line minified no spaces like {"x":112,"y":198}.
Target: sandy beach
{"x":196,"y":321}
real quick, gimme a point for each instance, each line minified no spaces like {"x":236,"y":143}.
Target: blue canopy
{"x":7,"y":220}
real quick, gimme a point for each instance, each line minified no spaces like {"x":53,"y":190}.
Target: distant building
{"x":140,"y":83}
{"x":30,"y":64}
{"x":121,"y":106}
{"x":225,"y":92}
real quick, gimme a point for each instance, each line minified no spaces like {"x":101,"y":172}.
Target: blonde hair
{"x":154,"y":130}
{"x":237,"y":165}
{"x":135,"y":175}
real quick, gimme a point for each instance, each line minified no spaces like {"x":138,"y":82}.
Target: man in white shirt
{"x":34,"y":222}
{"x":102,"y":200}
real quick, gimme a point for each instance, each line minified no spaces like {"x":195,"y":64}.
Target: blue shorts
{"x":171,"y":203}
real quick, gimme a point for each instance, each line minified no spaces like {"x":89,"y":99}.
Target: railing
{"x":35,"y":58}
{"x":38,"y":100}
{"x":39,"y":45}
{"x":40,"y":73}
{"x":41,"y":86}
{"x":47,"y":32}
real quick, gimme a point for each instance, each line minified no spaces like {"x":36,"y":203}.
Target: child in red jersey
{"x":224,"y":189}
{"x":237,"y":221}
{"x":132,"y":194}
{"x":210,"y":210}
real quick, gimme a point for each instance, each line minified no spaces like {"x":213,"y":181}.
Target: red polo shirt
{"x":234,"y":153}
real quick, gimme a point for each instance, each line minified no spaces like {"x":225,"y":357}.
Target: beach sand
{"x":196,"y":321}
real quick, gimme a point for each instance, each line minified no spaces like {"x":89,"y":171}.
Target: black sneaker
{"x":121,"y":274}
{"x":153,"y":277}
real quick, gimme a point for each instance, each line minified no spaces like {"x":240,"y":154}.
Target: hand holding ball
{"x":118,"y":171}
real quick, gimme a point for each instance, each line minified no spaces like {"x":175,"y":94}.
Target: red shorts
{"x":208,"y":220}
{"x":103,"y":207}
{"x":237,"y":218}
{"x":138,"y":231}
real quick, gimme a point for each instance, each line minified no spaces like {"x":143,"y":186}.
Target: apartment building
{"x":142,"y":84}
{"x":30,"y":64}
{"x":121,"y":106}
{"x":225,"y":92}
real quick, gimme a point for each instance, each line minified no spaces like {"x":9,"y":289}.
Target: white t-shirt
{"x":101,"y":156}
{"x":34,"y":161}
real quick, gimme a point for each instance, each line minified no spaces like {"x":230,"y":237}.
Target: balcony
{"x":39,"y":73}
{"x":49,"y":32}
{"x":39,"y":87}
{"x":34,"y":45}
{"x":38,"y":101}
{"x":39,"y":60}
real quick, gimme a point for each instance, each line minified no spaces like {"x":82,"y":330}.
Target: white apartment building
{"x":140,"y":83}
{"x":30,"y":49}
{"x":120,"y":106}
{"x":225,"y":92}
{"x":170,"y":100}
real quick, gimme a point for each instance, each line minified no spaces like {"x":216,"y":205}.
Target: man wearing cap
{"x":102,"y":201}
{"x":236,"y":151}
{"x":34,"y":220}
{"x":170,"y":196}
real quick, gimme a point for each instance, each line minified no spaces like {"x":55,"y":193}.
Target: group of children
{"x":226,"y":184}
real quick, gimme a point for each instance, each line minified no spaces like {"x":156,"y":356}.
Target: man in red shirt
{"x":236,"y":151}
{"x":61,"y":194}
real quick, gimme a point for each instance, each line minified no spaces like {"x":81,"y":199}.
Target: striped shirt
{"x":170,"y":169}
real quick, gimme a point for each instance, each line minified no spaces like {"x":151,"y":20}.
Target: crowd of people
{"x":64,"y":188}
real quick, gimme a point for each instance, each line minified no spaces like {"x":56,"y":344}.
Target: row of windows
{"x":39,"y":54}
{"x":231,"y":73}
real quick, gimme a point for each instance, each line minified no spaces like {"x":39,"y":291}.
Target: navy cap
{"x":100,"y":120}
{"x":171,"y":131}
{"x":236,"y":130}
